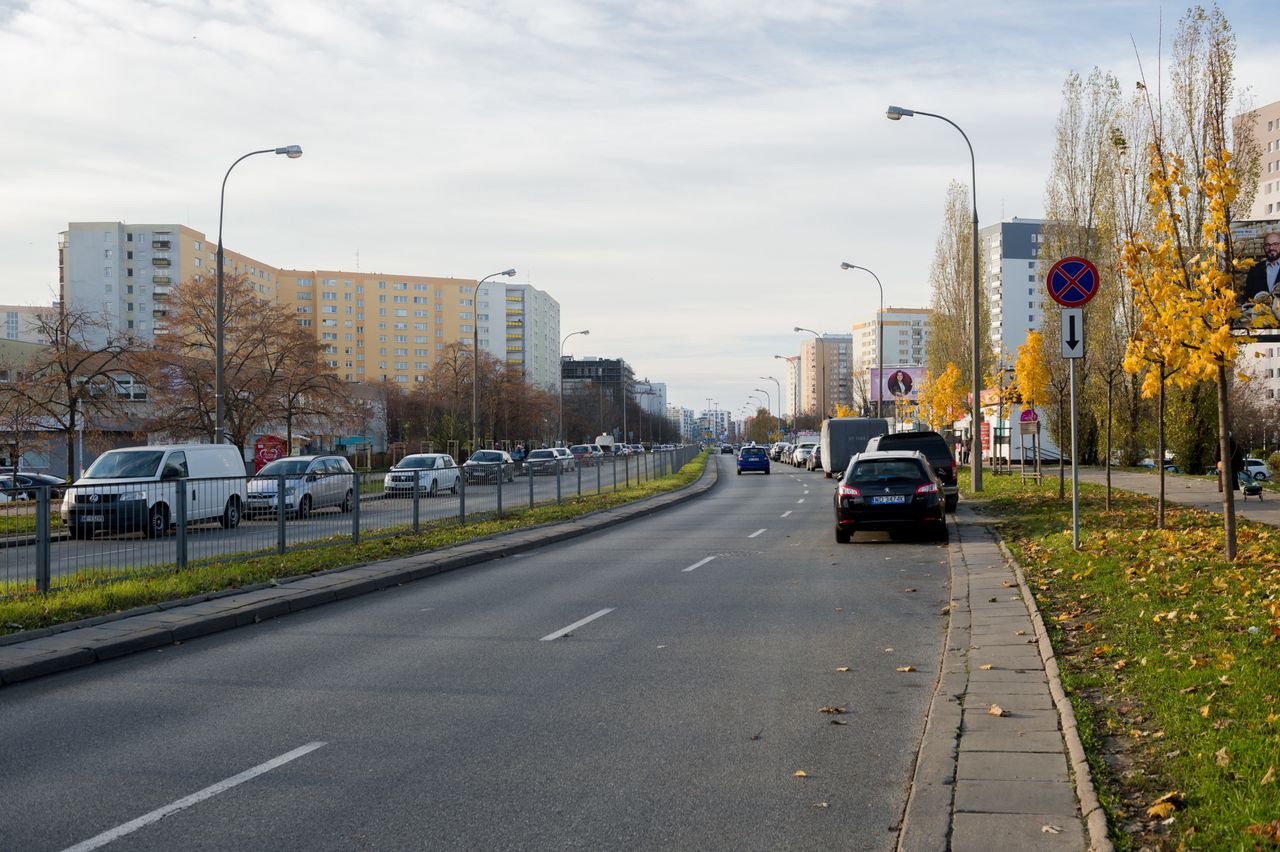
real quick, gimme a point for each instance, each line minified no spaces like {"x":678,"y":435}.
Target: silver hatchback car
{"x":310,"y":483}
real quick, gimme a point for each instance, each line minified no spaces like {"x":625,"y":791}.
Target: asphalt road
{"x":654,"y":686}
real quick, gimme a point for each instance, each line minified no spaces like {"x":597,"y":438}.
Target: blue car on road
{"x":753,"y":458}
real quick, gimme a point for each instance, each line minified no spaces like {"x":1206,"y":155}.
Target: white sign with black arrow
{"x":1073,"y":332}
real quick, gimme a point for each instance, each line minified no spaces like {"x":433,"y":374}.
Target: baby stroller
{"x":1250,"y":487}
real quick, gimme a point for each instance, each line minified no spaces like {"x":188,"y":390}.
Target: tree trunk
{"x":1110,"y":386}
{"x":1160,"y":450}
{"x":1228,"y":457}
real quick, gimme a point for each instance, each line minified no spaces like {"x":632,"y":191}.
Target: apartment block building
{"x":826,"y":361}
{"x":906,"y":333}
{"x":1013,"y":281}
{"x":1263,"y":124}
{"x":22,"y":322}
{"x":373,"y":326}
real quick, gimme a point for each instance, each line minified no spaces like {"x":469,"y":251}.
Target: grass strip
{"x":1171,"y":656}
{"x":93,"y":593}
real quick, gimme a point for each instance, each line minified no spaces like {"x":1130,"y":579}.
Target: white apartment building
{"x":529,"y":334}
{"x":21,"y":322}
{"x":1013,"y":281}
{"x":836,"y":351}
{"x":651,"y":397}
{"x":906,"y":334}
{"x":1264,"y":124}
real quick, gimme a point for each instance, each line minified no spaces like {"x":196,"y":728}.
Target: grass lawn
{"x":95,"y":593}
{"x":1170,"y":654}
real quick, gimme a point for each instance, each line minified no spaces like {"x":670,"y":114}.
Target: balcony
{"x":161,"y":245}
{"x":161,"y":262}
{"x":160,"y":293}
{"x":160,"y":313}
{"x":161,"y":279}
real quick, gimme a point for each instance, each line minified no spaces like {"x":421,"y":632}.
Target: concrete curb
{"x":1091,"y":808}
{"x":31,"y":654}
{"x":926,"y":817}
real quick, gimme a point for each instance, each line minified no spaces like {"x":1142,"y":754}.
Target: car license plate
{"x":885,"y":499}
{"x":91,"y":519}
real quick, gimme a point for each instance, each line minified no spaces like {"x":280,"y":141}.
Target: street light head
{"x":847,"y":265}
{"x":797,"y":328}
{"x":293,"y":152}
{"x":894,"y":113}
{"x":507,"y":272}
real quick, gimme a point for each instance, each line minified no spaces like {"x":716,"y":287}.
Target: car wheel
{"x":766,"y":471}
{"x":951,"y":503}
{"x":1259,"y":476}
{"x":230,"y":515}
{"x":158,"y":521}
{"x":431,"y":492}
{"x":454,"y":489}
{"x":843,"y":536}
{"x":739,"y":471}
{"x":75,"y":532}
{"x":940,"y":532}
{"x":346,"y":502}
{"x":304,"y":506}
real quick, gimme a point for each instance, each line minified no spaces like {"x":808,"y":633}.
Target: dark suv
{"x":935,"y":449}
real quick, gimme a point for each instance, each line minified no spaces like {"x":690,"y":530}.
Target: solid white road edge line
{"x":757,"y":532}
{"x":788,"y":512}
{"x":572,"y":627}
{"x":208,"y":792}
{"x":698,"y":564}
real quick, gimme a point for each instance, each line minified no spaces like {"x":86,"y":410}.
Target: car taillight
{"x":928,"y":488}
{"x":849,"y":491}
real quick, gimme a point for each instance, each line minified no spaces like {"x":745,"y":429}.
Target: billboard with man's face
{"x":897,"y":383}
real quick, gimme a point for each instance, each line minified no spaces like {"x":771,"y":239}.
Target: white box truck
{"x":845,"y":437}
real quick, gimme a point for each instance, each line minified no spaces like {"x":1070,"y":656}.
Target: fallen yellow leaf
{"x":1204,"y":711}
{"x":906,"y":668}
{"x":910,"y":590}
{"x":800,"y":773}
{"x":987,"y":667}
{"x":1221,"y":757}
{"x":1161,"y":811}
{"x":1269,"y":778}
{"x":843,"y":669}
{"x":832,"y":709}
{"x":997,"y":710}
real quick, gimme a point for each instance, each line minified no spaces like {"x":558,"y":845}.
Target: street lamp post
{"x":777,"y":418}
{"x":822,"y":383}
{"x":560,"y":427}
{"x":768,"y":407}
{"x":895,"y":113}
{"x":795,"y":381}
{"x":475,"y":355}
{"x":877,"y":397}
{"x":293,"y":152}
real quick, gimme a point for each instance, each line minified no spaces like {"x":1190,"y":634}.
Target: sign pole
{"x":1075,"y":465}
{"x":1072,"y":282}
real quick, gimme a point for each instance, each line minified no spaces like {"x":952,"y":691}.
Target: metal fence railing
{"x":102,"y":531}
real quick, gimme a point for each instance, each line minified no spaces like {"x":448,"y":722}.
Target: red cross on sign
{"x":1072,"y":281}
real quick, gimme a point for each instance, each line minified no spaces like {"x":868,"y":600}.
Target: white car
{"x":567,"y":461}
{"x":1257,"y":469}
{"x":426,"y":473}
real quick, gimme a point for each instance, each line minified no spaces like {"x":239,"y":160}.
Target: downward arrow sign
{"x":1072,"y":333}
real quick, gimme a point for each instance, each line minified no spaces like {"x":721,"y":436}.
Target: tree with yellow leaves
{"x":941,"y":401}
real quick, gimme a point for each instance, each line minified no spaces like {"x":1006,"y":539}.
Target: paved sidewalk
{"x":1000,"y":766}
{"x":1199,"y":491}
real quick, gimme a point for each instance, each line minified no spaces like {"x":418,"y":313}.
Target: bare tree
{"x":951,"y":308}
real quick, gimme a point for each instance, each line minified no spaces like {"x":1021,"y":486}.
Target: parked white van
{"x":137,"y":488}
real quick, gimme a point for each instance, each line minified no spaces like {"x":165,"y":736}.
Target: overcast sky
{"x":683,"y":177}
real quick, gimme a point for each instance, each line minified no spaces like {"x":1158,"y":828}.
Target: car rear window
{"x":887,"y":470}
{"x":933,"y":446}
{"x":753,"y":453}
